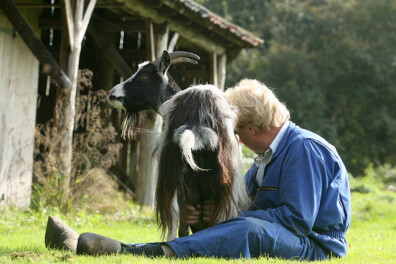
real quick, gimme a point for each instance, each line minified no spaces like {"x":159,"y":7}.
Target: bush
{"x":95,"y":150}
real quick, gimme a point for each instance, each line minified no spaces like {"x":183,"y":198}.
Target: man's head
{"x":257,"y":106}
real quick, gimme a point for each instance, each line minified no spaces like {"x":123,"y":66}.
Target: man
{"x":298,"y":184}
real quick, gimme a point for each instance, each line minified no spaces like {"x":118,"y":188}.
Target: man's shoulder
{"x":301,"y":136}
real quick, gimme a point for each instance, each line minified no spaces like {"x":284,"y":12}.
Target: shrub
{"x":95,"y":150}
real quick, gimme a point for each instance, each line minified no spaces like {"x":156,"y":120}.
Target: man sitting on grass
{"x":298,"y":184}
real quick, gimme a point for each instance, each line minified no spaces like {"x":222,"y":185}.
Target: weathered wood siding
{"x":19,"y":71}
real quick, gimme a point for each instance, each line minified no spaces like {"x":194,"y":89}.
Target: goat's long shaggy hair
{"x":199,"y":158}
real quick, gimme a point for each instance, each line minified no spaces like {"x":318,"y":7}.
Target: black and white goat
{"x":199,"y":159}
{"x":148,"y":88}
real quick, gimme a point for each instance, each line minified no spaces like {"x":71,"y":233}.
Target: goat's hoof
{"x":94,"y":244}
{"x":59,"y":235}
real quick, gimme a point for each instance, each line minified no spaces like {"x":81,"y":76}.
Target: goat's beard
{"x":129,"y":126}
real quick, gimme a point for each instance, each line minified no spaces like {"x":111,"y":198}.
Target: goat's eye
{"x":143,"y":77}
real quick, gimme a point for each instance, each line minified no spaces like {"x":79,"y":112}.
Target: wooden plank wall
{"x":19,"y":72}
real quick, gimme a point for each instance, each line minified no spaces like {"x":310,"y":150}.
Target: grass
{"x":372,"y":235}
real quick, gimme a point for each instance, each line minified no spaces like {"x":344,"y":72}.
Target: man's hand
{"x":207,"y":211}
{"x":190,"y":215}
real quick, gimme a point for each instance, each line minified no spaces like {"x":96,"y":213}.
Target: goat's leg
{"x":184,"y":230}
{"x":172,"y":230}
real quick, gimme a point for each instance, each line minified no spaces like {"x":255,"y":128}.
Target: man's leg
{"x":94,"y":244}
{"x":59,"y":235}
{"x":238,"y":237}
{"x":249,"y":238}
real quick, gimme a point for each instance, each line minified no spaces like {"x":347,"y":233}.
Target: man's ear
{"x":252,"y":130}
{"x":164,"y":63}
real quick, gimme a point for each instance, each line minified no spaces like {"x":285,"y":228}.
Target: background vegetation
{"x":334,"y":64}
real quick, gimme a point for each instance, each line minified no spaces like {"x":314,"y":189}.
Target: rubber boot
{"x":58,"y":235}
{"x":94,"y":244}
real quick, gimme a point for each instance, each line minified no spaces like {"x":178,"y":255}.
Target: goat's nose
{"x":111,"y":96}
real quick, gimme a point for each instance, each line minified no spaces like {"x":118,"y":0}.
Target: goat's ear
{"x":164,"y":62}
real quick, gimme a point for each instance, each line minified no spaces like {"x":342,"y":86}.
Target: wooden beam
{"x":50,"y":66}
{"x":107,"y":25}
{"x":158,"y":17}
{"x":127,"y":26}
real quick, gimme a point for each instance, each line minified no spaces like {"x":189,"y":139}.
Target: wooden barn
{"x":41,"y":40}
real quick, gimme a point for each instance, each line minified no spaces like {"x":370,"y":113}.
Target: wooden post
{"x":146,"y":180}
{"x":173,"y":42}
{"x":133,"y":162}
{"x":221,"y":70}
{"x":162,"y":36}
{"x":150,"y":40}
{"x":213,"y":66}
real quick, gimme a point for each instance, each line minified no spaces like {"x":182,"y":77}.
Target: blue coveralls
{"x":301,"y":209}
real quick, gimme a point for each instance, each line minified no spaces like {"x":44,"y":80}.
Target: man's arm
{"x":303,"y":179}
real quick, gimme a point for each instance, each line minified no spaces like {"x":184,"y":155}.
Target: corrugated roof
{"x":218,"y":21}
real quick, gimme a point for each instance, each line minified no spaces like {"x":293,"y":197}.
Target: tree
{"x":333,"y":64}
{"x":77,"y":22}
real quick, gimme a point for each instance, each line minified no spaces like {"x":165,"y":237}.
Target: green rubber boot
{"x":58,"y":235}
{"x":94,"y":244}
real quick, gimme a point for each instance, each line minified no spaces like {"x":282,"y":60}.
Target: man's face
{"x":248,"y":137}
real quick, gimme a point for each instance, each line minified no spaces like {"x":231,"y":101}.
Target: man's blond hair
{"x":257,"y":105}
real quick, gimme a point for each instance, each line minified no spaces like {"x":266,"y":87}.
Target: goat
{"x":217,"y":151}
{"x":148,"y":88}
{"x":199,"y":159}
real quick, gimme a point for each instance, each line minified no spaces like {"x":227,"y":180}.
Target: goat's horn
{"x":183,"y":56}
{"x":180,"y":57}
{"x":182,"y":60}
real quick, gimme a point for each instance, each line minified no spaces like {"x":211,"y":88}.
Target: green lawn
{"x":372,"y":236}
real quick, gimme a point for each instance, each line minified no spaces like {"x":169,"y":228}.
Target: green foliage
{"x":247,"y":158}
{"x":375,"y":179}
{"x":332,"y":62}
{"x":374,"y":194}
